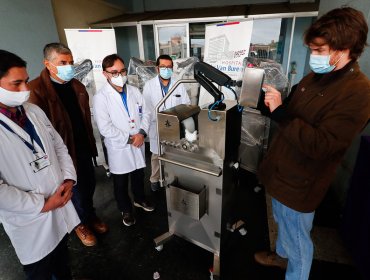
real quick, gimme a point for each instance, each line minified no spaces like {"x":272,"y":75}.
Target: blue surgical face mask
{"x":65,"y":72}
{"x":165,"y":73}
{"x":320,"y":64}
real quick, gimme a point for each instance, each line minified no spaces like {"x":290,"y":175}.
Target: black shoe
{"x":155,"y":186}
{"x":145,"y":205}
{"x":128,"y":219}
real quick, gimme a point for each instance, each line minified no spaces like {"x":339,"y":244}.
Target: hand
{"x":137,"y":140}
{"x":67,"y":192}
{"x":60,"y":197}
{"x":272,"y":97}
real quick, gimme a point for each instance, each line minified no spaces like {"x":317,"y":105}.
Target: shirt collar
{"x":162,"y":85}
{"x":19,"y":117}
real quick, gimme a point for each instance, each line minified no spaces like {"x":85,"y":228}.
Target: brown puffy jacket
{"x":325,"y":113}
{"x":44,"y":95}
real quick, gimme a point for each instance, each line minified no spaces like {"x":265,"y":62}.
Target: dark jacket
{"x":44,"y":95}
{"x":324,"y":114}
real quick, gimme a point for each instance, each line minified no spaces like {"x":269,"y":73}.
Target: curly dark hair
{"x":341,"y":28}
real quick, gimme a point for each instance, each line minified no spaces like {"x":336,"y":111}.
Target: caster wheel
{"x":159,"y":248}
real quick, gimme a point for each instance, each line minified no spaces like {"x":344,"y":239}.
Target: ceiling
{"x":293,"y":6}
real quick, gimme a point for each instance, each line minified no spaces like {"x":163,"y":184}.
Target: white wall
{"x":26,"y":26}
{"x":79,"y":14}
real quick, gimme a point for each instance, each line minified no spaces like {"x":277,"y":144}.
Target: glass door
{"x":265,"y":41}
{"x":149,"y":42}
{"x":172,"y":39}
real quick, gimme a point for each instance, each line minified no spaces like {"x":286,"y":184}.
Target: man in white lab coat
{"x":36,"y":178}
{"x":119,"y":112}
{"x":154,"y":90}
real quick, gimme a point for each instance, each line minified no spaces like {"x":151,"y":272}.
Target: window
{"x":148,"y":40}
{"x":172,"y":40}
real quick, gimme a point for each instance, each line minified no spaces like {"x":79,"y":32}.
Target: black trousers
{"x":83,"y":192}
{"x":120,"y":184}
{"x":53,"y":266}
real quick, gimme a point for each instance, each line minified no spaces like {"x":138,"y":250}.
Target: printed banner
{"x":226,"y":45}
{"x":93,"y":44}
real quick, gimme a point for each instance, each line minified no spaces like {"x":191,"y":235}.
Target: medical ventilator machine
{"x":198,"y":152}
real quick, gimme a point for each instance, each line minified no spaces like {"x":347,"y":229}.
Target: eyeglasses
{"x":115,"y":74}
{"x":165,"y":67}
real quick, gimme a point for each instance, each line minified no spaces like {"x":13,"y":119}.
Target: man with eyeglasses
{"x":66,"y":103}
{"x":154,"y":90}
{"x":121,"y":119}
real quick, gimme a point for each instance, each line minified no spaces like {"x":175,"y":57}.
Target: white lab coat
{"x":153,"y":95}
{"x":22,"y":192}
{"x":112,"y":120}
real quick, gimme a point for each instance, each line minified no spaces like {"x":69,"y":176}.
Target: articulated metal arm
{"x":206,"y":75}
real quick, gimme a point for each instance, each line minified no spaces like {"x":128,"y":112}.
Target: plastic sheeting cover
{"x":274,"y":74}
{"x":255,"y":127}
{"x":139,"y":72}
{"x":84,"y":73}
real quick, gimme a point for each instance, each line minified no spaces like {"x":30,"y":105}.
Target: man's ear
{"x":105,"y":75}
{"x":47,"y":64}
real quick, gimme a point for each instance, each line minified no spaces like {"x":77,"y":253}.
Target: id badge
{"x":140,"y":109}
{"x":132,"y":124}
{"x":40,"y":163}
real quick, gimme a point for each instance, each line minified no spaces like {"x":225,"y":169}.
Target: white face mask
{"x":119,"y":81}
{"x":13,"y":98}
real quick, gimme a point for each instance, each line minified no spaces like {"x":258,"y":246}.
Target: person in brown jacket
{"x":66,"y":103}
{"x":317,"y":123}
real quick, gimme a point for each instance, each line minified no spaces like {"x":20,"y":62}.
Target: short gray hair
{"x":58,"y":48}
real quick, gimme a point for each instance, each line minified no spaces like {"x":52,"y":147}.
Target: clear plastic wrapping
{"x":139,"y":72}
{"x":254,"y":138}
{"x":256,"y":127}
{"x":183,"y":68}
{"x":82,"y":69}
{"x":252,"y":128}
{"x":274,"y":74}
{"x":84,"y":73}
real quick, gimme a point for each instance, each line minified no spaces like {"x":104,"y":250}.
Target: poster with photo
{"x":226,"y":45}
{"x":89,"y":47}
{"x":92,"y":44}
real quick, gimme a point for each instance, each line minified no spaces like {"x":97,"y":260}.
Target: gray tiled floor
{"x":129,"y":253}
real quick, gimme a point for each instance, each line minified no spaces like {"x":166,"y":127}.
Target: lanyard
{"x":31,"y":131}
{"x":164,"y":90}
{"x":124,"y":100}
